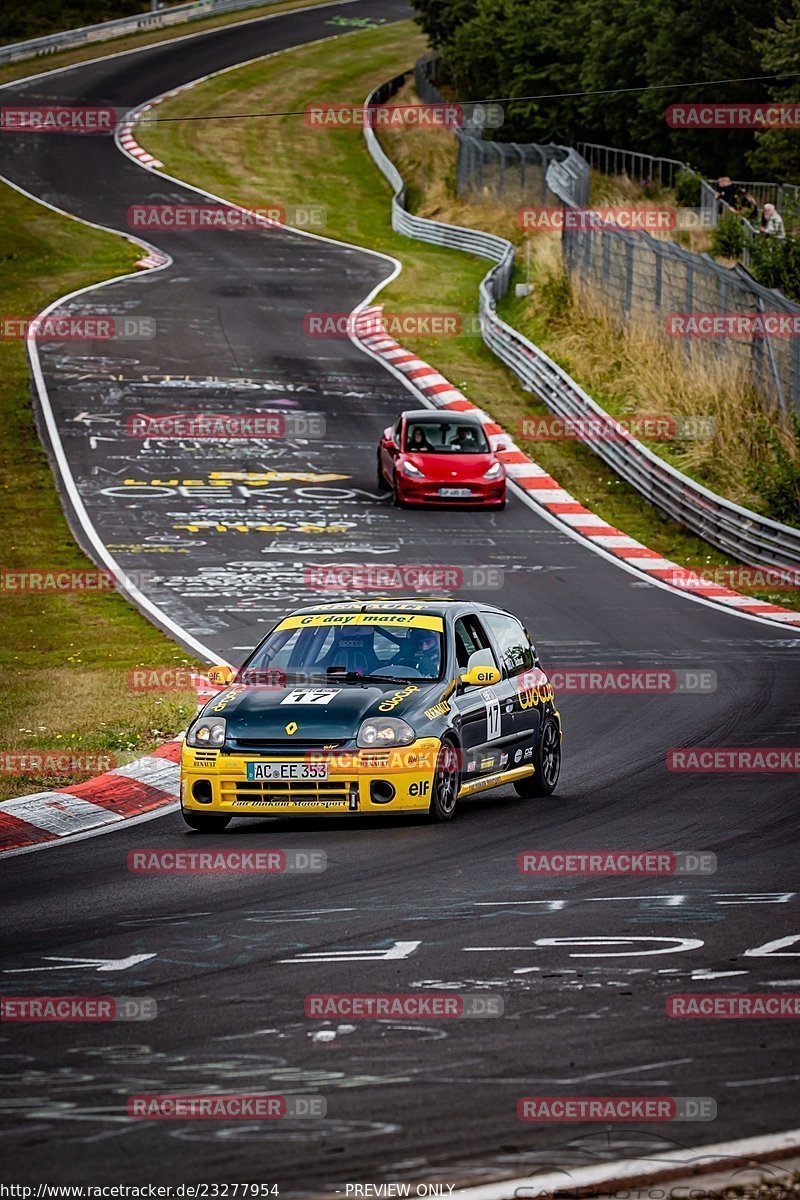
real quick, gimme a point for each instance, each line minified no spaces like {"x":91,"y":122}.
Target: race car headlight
{"x":494,"y":472}
{"x":385,"y":731}
{"x":206,"y":732}
{"x":408,"y":468}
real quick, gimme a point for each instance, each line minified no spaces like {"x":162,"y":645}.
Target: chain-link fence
{"x":488,"y":170}
{"x":636,"y":273}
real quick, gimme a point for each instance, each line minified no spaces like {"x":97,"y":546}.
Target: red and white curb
{"x":140,"y":787}
{"x":545,"y":490}
{"x":133,"y":148}
{"x":143,"y":786}
{"x":125,"y":131}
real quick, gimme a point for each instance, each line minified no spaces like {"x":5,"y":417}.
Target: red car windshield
{"x":445,"y":437}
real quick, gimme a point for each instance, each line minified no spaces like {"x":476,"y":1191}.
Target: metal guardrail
{"x":737,"y":531}
{"x":138,"y":23}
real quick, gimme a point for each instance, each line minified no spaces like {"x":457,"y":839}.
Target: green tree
{"x":521,"y":48}
{"x":777,"y":151}
{"x":439,"y":19}
{"x":695,"y":40}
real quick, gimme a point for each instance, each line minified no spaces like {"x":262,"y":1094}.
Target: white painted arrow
{"x":99,"y":964}
{"x":86,"y":418}
{"x":397,"y":950}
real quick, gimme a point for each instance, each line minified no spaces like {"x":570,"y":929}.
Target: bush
{"x":776,"y":477}
{"x":775,"y":263}
{"x":727,"y":237}
{"x":687,"y":189}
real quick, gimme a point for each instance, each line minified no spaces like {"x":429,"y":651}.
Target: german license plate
{"x":455,"y":493}
{"x":287,"y":771}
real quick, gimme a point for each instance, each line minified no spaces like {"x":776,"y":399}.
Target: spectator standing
{"x":726,"y":193}
{"x":772,"y":222}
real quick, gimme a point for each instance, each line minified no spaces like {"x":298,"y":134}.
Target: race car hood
{"x":302,"y":714}
{"x":452,"y":467}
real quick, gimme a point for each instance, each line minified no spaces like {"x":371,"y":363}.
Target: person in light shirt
{"x":772,"y":222}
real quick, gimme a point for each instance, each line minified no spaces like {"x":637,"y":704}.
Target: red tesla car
{"x":430,"y":457}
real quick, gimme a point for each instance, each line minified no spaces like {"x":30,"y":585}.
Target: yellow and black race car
{"x":379,"y":706}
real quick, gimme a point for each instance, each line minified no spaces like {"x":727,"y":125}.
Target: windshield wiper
{"x":357,"y":677}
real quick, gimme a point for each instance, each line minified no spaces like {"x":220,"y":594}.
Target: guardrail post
{"x":628,"y":275}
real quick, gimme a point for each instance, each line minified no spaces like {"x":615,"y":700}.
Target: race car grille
{"x":284,"y":789}
{"x":205,"y":758}
{"x":287,"y":745}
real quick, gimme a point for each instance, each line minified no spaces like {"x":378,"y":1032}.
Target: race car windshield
{"x":347,"y":653}
{"x":445,"y":437}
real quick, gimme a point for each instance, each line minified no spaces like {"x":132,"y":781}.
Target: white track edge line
{"x":626,"y":1171}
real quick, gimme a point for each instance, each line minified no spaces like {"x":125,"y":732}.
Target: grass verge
{"x":332,"y":167}
{"x":64,"y":656}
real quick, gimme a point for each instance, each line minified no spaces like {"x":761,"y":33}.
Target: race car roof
{"x":439,"y":416}
{"x":438,"y":605}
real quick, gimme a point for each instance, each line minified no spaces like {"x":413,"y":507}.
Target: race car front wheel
{"x":546,"y":760}
{"x":397,"y":499}
{"x":445,"y":784}
{"x":205,"y":822}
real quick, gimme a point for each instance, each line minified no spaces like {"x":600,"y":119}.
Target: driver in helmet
{"x":421,"y":651}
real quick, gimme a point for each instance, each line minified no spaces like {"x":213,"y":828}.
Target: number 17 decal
{"x":492,"y":713}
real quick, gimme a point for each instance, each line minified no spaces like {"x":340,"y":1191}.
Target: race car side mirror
{"x":222,"y":675}
{"x":480,"y":677}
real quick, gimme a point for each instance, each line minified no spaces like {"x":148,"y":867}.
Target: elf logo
{"x":419,"y":789}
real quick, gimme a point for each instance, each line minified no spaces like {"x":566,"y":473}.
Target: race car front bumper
{"x":358,"y":781}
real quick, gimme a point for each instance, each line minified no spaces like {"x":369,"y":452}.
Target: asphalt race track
{"x":222,"y":547}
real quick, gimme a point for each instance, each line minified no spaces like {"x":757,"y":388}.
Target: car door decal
{"x":492,"y":703}
{"x":311,"y":696}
